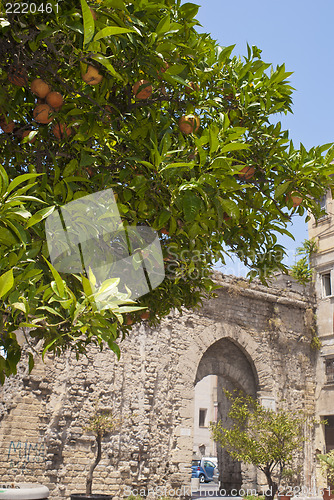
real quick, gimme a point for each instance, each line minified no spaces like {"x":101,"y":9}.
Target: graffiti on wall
{"x":22,"y":455}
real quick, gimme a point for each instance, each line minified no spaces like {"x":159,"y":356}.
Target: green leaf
{"x":87,"y":286}
{"x":111,"y":31}
{"x":26,"y":198}
{"x":105,"y":62}
{"x":50,"y":310}
{"x":88,"y":20}
{"x":3,"y":180}
{"x":70,"y":168}
{"x":189,"y":10}
{"x":31,"y":362}
{"x":6,"y":282}
{"x":175,"y":69}
{"x":7,"y":238}
{"x":114,"y":347}
{"x":20,"y":306}
{"x":233,"y":146}
{"x":58,"y":280}
{"x":116,"y":4}
{"x":225,"y":54}
{"x":163,"y":25}
{"x":129,"y":309}
{"x":327,"y":459}
{"x":21,"y":178}
{"x":174,"y":79}
{"x":188,"y":165}
{"x":191,"y":205}
{"x":86,"y":159}
{"x":47,"y":347}
{"x":230,"y":207}
{"x":92,"y":278}
{"x":46,"y":33}
{"x":163,"y":218}
{"x":40,"y":215}
{"x":213,"y":138}
{"x":282,"y":188}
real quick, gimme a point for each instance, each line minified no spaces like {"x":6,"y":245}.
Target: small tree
{"x":261,"y":437}
{"x":100,"y":424}
{"x":302,"y":270}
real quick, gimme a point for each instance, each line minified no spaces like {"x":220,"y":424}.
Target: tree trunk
{"x":272,"y":486}
{"x":89,"y":479}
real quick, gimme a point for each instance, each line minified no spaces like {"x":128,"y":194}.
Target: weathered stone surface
{"x":252,"y":337}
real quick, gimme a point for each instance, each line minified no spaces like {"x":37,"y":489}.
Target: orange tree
{"x":268,"y":439}
{"x":128,"y":95}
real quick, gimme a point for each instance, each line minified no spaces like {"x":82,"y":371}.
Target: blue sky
{"x":300,"y":34}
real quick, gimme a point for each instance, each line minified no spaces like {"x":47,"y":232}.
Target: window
{"x":202,"y":417}
{"x":322,"y":202}
{"x":330,"y":370}
{"x":207,"y":463}
{"x":329,"y":432}
{"x":326,"y":284}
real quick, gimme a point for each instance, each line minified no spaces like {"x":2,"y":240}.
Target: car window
{"x":208,"y":464}
{"x":195,"y":462}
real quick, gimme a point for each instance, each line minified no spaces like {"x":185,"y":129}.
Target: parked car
{"x":204,"y":470}
{"x":214,"y":460}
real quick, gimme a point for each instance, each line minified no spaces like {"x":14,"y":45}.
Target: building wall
{"x":44,"y":414}
{"x":322,"y":231}
{"x":205,"y":399}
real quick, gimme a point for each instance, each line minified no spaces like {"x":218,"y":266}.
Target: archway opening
{"x":224,"y":365}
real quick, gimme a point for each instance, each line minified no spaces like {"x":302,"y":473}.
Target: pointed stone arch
{"x":212,"y":332}
{"x":233,"y":354}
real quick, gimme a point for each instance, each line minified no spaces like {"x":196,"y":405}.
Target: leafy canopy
{"x":265,"y":438}
{"x":224,"y":180}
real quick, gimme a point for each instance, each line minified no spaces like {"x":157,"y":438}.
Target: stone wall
{"x":43,"y":415}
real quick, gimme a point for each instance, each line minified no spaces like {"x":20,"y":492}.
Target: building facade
{"x":322,"y":231}
{"x":206,"y":411}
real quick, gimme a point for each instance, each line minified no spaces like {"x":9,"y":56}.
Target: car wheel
{"x":201,"y":478}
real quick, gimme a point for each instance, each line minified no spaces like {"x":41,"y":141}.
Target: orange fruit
{"x":189,"y":124}
{"x":42,"y":113}
{"x":27,"y":132}
{"x":40,"y":88}
{"x":294,"y":199}
{"x":145,"y":315}
{"x":60,"y":131}
{"x":144,"y":92}
{"x":55,"y":100}
{"x":128,"y":320}
{"x":18,"y":76}
{"x":6,"y":124}
{"x":92,"y":76}
{"x":247,"y":172}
